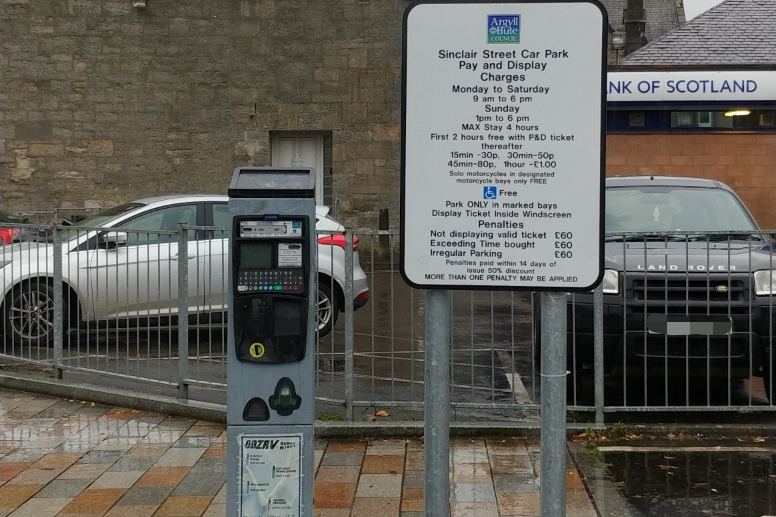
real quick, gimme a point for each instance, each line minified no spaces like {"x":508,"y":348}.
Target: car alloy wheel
{"x":323,"y":310}
{"x":31,"y":316}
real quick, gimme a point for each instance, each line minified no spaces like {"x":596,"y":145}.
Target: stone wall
{"x":745,"y":162}
{"x":104,"y":103}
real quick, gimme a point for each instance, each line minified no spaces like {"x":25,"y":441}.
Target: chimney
{"x":634,"y":20}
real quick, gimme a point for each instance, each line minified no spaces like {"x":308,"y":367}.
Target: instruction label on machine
{"x":503,"y":145}
{"x":270,"y":475}
{"x":289,"y":255}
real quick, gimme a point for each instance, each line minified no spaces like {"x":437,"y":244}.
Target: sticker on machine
{"x":270,"y":475}
{"x":289,"y":255}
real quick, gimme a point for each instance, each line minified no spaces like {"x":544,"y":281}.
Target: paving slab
{"x":64,"y":459}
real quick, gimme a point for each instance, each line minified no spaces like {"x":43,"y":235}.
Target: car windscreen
{"x":99,"y":219}
{"x":669,"y":209}
{"x":7,"y":217}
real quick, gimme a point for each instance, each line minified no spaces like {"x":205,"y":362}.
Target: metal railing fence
{"x":682,"y":322}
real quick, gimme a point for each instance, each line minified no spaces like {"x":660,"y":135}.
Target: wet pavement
{"x":683,"y":476}
{"x":697,"y":484}
{"x":75,"y":459}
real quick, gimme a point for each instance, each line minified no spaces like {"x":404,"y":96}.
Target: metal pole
{"x":183,"y":311}
{"x":437,"y":403}
{"x":553,"y":433}
{"x":58,"y":305}
{"x":349,"y":359}
{"x":598,"y":352}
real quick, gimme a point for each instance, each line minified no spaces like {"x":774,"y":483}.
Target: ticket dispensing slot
{"x":271,"y":306}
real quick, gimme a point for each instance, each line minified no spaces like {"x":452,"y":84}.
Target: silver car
{"x":122,"y":265}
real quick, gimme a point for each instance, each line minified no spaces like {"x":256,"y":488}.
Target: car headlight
{"x":611,"y":282}
{"x":764,"y":282}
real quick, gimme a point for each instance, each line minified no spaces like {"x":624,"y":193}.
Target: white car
{"x":121,"y":266}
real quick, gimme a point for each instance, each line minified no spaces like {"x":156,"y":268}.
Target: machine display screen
{"x":256,"y":254}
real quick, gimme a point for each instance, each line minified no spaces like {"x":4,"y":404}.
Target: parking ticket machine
{"x":270,"y":365}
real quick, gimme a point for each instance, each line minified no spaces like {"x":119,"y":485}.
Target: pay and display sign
{"x":503,"y":137}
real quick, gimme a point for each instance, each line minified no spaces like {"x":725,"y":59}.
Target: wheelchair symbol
{"x":489,"y":192}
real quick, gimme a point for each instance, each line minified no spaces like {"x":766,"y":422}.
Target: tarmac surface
{"x":69,"y":458}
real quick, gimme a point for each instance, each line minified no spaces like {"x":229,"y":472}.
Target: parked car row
{"x":115,"y":267}
{"x":688,"y":285}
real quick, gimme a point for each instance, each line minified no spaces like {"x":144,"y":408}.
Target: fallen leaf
{"x":91,"y":404}
{"x":670,"y":457}
{"x":668,"y":467}
{"x":772,"y":475}
{"x":759,"y":439}
{"x":382,"y":414}
{"x":638,"y":496}
{"x":671,"y":436}
{"x":740,"y":439}
{"x":714,"y":490}
{"x":705,"y":511}
{"x":369,"y":418}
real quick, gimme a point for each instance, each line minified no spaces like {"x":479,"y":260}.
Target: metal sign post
{"x":503,"y":134}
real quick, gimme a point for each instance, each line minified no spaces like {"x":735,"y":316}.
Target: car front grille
{"x":680,"y":290}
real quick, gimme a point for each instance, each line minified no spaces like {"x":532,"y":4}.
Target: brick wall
{"x":745,"y":162}
{"x":102,"y":103}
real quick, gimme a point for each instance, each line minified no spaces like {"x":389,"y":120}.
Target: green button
{"x":278,"y":288}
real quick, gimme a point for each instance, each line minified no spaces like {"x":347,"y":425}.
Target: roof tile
{"x":735,"y":32}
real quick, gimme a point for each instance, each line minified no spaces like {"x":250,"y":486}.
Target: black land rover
{"x":687,"y":289}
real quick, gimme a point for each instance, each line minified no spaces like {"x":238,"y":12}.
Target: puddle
{"x":696,"y":484}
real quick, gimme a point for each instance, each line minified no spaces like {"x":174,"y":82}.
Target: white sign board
{"x":270,"y":475}
{"x":692,"y":86}
{"x":503,"y":145}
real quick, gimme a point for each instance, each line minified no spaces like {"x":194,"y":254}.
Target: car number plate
{"x":694,"y":325}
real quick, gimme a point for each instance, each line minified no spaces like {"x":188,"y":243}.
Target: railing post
{"x":58,"y":304}
{"x":349,"y":348}
{"x":183,"y":311}
{"x":598,"y":352}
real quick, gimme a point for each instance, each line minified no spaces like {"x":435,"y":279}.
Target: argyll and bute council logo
{"x":503,"y":28}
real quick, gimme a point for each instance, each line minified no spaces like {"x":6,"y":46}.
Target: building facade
{"x":701,"y":101}
{"x":105,"y":101}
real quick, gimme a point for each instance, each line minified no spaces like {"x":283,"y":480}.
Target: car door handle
{"x":175,"y":257}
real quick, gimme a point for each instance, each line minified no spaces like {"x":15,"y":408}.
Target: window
{"x":142,"y":229}
{"x":715,"y":119}
{"x":636,"y":119}
{"x":690,"y":119}
{"x":220,"y":217}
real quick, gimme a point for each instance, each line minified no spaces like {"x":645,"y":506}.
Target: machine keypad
{"x":270,"y":280}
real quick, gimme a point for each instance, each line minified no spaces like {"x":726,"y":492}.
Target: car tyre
{"x":29,"y":314}
{"x":326,"y":310}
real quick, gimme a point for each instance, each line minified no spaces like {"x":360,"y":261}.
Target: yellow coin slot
{"x":256,"y":350}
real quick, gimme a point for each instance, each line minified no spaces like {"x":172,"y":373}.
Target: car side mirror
{"x":114,"y":239}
